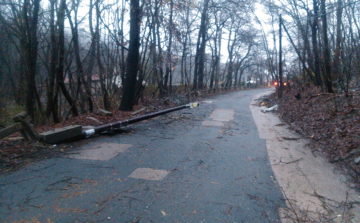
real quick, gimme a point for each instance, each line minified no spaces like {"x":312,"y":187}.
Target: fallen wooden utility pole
{"x":115,"y":125}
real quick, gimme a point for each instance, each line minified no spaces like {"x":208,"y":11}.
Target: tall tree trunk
{"x":60,"y":70}
{"x":104,"y":91}
{"x":214,"y":61}
{"x":123,"y":65}
{"x":314,"y":26}
{"x":230,"y":47}
{"x":168,"y":61}
{"x":51,"y":95}
{"x":236,"y":72}
{"x":184,"y":57}
{"x":143,"y":65}
{"x":154,"y":56}
{"x":29,"y":45}
{"x":301,"y":58}
{"x":89,"y":70}
{"x":200,"y":50}
{"x":127,"y":101}
{"x":217,"y":74}
{"x":327,"y":74}
{"x":339,"y":11}
{"x":239,"y":64}
{"x":153,"y":47}
{"x":307,"y":51}
{"x":159,"y":56}
{"x":280,"y":89}
{"x":80,"y":69}
{"x":183,"y":62}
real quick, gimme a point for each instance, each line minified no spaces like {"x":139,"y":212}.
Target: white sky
{"x":259,"y":11}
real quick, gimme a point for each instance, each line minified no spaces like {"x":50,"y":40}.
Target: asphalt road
{"x":195,"y":165}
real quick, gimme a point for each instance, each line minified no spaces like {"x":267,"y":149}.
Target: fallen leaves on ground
{"x":331,"y":121}
{"x":18,"y":153}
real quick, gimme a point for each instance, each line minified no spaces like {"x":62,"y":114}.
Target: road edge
{"x":310,"y":185}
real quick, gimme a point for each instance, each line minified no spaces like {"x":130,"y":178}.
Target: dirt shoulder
{"x":331,"y":121}
{"x":314,"y":189}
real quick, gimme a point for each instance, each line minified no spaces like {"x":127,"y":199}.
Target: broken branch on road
{"x":288,"y":162}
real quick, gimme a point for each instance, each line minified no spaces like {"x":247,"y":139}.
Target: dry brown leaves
{"x":332,"y":121}
{"x":17,"y":153}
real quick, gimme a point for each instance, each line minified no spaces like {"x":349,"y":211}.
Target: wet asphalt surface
{"x":215,"y":174}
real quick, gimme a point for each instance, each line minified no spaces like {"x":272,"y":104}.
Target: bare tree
{"x":339,"y":12}
{"x":327,"y":73}
{"x":200,"y":49}
{"x":22,"y":28}
{"x":314,"y":30}
{"x":128,"y":99}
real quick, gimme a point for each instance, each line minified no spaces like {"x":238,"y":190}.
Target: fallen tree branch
{"x":288,"y":162}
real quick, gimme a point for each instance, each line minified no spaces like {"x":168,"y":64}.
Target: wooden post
{"x":28,"y":128}
{"x":10,"y":130}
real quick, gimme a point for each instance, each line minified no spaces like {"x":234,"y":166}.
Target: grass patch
{"x":7,"y":111}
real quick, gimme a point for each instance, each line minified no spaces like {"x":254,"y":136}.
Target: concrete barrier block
{"x":61,"y":134}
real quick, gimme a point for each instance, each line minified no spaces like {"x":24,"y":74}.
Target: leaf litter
{"x":330,"y":121}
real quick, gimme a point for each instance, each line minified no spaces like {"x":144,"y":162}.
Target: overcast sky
{"x":259,"y":12}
